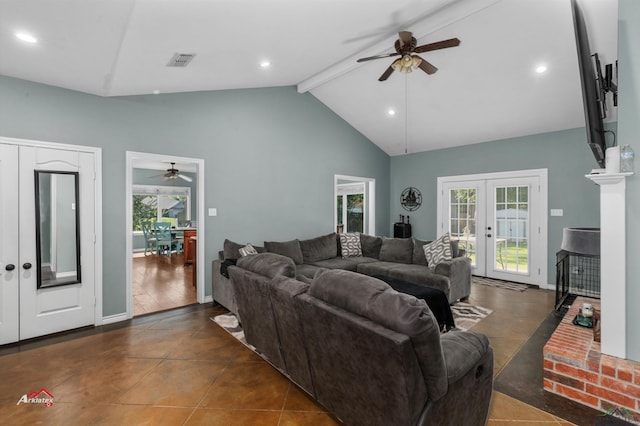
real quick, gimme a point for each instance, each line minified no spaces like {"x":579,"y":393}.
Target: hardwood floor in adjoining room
{"x":161,"y":282}
{"x":180,"y":368}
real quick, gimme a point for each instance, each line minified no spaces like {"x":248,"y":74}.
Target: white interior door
{"x":9,"y":266}
{"x":499,"y":220}
{"x":56,"y":306}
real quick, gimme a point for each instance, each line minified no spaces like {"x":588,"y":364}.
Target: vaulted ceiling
{"x":485,"y":89}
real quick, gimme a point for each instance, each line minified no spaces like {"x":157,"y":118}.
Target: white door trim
{"x":97,"y":156}
{"x":139,"y":158}
{"x":542,"y":175}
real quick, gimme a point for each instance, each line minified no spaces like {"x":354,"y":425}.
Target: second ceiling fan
{"x":406,"y":47}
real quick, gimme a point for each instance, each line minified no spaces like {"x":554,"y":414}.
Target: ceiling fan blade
{"x":385,"y":75}
{"x":452,"y":42}
{"x":386,"y":55}
{"x":426,"y":66}
{"x":187,"y":178}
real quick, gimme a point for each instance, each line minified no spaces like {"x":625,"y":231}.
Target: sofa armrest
{"x":458,"y":270}
{"x":222,"y":289}
{"x":462,"y":351}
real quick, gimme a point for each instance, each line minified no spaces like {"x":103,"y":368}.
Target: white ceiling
{"x":485,"y":89}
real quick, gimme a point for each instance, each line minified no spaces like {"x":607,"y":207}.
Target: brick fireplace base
{"x":575,"y":368}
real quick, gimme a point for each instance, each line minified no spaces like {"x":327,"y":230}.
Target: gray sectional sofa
{"x":368,"y":354}
{"x":400,"y":258}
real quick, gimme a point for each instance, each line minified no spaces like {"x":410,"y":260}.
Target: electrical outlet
{"x":556,"y":212}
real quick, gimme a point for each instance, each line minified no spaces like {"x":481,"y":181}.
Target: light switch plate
{"x":213,"y":211}
{"x":556,"y":212}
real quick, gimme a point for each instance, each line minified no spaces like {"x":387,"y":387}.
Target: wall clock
{"x":411,"y":199}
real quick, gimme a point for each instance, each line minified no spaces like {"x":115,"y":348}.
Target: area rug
{"x":499,"y":283}
{"x":464,"y":314}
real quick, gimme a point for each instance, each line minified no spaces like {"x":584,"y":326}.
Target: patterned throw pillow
{"x":438,"y":250}
{"x":247,"y":250}
{"x":350,"y":245}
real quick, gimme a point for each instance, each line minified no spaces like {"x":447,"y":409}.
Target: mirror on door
{"x":57,"y":228}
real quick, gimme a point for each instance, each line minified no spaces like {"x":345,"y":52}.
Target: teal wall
{"x":629,"y":133}
{"x":270,"y":157}
{"x":565,"y":154}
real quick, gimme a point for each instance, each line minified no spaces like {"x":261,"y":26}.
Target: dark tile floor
{"x":178,"y":367}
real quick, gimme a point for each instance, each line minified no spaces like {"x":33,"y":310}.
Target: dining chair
{"x":149,"y":238}
{"x":165,"y":240}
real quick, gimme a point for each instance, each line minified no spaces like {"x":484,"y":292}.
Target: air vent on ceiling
{"x":181,"y":59}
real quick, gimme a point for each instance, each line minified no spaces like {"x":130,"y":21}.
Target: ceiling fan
{"x":406,"y":48}
{"x":173,"y":173}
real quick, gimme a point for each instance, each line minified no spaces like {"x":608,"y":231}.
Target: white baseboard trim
{"x":114,"y":318}
{"x":208,"y":299}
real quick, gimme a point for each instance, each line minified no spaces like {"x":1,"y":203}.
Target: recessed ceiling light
{"x":265,"y":64}
{"x":541,"y":69}
{"x":156,"y":92}
{"x":26,"y":37}
{"x":391,"y":111}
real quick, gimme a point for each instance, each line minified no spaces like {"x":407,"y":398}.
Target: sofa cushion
{"x":268,"y":264}
{"x":377,"y":301}
{"x":378,"y":267}
{"x":438,"y":251}
{"x":350,"y":245}
{"x":231,"y":249}
{"x":290,"y":249}
{"x":370,"y":245}
{"x":307,"y":269}
{"x":347,"y":263}
{"x":418,"y":252}
{"x":396,"y":250}
{"x":319,"y":248}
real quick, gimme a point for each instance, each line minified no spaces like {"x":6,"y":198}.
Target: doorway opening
{"x":354,"y":204}
{"x":165,"y":204}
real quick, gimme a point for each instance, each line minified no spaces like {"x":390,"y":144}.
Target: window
{"x":160,"y":204}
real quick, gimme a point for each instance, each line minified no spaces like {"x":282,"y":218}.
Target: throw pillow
{"x":231,"y":249}
{"x":286,"y":248}
{"x":438,"y":251}
{"x":247,"y":250}
{"x":350,"y":245}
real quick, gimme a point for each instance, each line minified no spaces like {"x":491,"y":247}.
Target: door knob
{"x":10,"y":267}
{"x":26,"y":265}
{"x":488,"y":235}
{"x":488,"y":228}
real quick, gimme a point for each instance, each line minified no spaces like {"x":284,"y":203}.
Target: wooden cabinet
{"x":188,"y":248}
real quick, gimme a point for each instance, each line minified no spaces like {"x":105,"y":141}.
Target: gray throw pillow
{"x":319,"y":248}
{"x":398,"y":250}
{"x":370,"y":245}
{"x":418,"y":252}
{"x":231,"y":249}
{"x":350,"y":245}
{"x":290,"y":249}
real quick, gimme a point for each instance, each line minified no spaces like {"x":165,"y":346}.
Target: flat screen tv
{"x":591,"y":95}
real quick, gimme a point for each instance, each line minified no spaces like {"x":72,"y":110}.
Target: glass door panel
{"x":464,"y":220}
{"x":511,"y":242}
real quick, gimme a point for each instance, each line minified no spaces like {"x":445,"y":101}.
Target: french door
{"x":498,"y":221}
{"x":47,"y":240}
